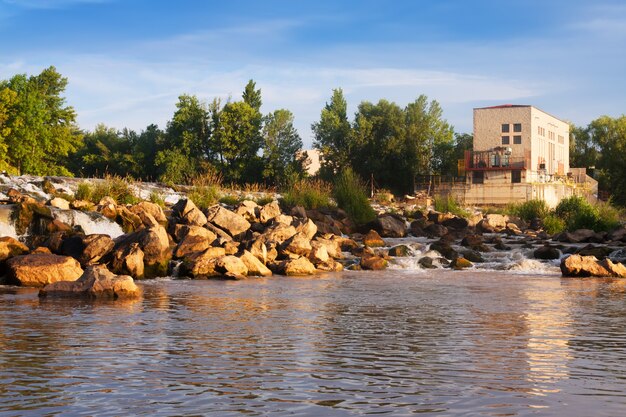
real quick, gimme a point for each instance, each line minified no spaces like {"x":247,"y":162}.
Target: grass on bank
{"x":309,"y":193}
{"x":570,"y":214}
{"x":350,"y":195}
{"x":448,"y":204}
{"x":116,"y":187}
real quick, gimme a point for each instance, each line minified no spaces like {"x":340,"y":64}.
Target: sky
{"x":127,"y":61}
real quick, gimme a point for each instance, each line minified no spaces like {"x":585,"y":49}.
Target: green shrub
{"x":447,"y":204}
{"x":230,"y":200}
{"x":529,"y":210}
{"x":116,"y":187}
{"x":310,"y":194}
{"x":553,"y":224}
{"x":84,"y":191}
{"x":349,"y":193}
{"x":578,"y":213}
{"x":264,"y":200}
{"x":205,"y":190}
{"x":157,"y":198}
{"x":608,"y":216}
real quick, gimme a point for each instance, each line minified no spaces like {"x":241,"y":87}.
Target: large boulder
{"x":154,"y":242}
{"x":231,"y":266}
{"x":129,"y":261}
{"x":372,"y":239}
{"x":154,"y":210}
{"x":496,"y":221}
{"x":299,"y":266}
{"x":278,"y":233}
{"x":436,"y":230}
{"x":129,"y":220}
{"x":10,"y":247}
{"x":373,"y":263}
{"x":456,"y":223}
{"x":444,"y":249}
{"x":254,"y":265}
{"x":232,"y":223}
{"x":298,"y":245}
{"x":248,"y":209}
{"x":203,"y":265}
{"x":599,"y":252}
{"x":319,"y":253}
{"x":307,"y":227}
{"x":390,"y":226}
{"x":60,"y":203}
{"x":96,"y":282}
{"x":547,"y":252}
{"x":269,"y":211}
{"x":40,"y":269}
{"x":192,"y":239}
{"x":589,"y":266}
{"x":187,"y":213}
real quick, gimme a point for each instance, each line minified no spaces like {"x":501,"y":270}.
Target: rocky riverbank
{"x":250,"y":239}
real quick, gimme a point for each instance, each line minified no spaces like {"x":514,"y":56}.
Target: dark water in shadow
{"x":396,"y":343}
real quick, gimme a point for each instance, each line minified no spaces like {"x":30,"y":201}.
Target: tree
{"x":609,"y":135}
{"x":251,"y":96}
{"x":281,"y":144}
{"x":187,"y":137}
{"x":8,"y":98}
{"x":238,"y":142}
{"x":41,"y":129}
{"x":332,"y":135}
{"x":428,"y":138}
{"x":583,"y":152}
{"x":448,"y":154}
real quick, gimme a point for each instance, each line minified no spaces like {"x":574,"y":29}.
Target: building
{"x":520,"y":153}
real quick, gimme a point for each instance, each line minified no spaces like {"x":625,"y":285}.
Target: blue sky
{"x":127,"y":61}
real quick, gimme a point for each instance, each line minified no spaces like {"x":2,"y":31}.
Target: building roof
{"x":507,"y":106}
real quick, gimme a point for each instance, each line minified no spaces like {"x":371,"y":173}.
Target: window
{"x":561,"y":139}
{"x":505,"y":140}
{"x":478,"y":177}
{"x":516,"y":177}
{"x":505,"y":128}
{"x":517,"y":127}
{"x":517,"y":140}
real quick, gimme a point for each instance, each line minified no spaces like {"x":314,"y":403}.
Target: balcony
{"x":497,"y":159}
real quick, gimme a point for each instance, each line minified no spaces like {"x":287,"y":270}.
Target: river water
{"x":446,"y":343}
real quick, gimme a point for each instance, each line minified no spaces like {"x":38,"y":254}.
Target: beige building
{"x":520,"y":153}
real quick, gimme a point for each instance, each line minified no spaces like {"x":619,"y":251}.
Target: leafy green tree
{"x":447,"y":154}
{"x":332,"y":135}
{"x":238,"y":142}
{"x":281,"y":144}
{"x":41,"y":129}
{"x":609,"y":135}
{"x":583,"y":152}
{"x":252,"y":96}
{"x":187,"y":136}
{"x":8,"y":98}
{"x":428,"y":138}
{"x":106,"y":151}
{"x":145,"y":150}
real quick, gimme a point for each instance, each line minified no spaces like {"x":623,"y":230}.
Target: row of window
{"x":478,"y":177}
{"x":517,"y":140}
{"x":517,"y":127}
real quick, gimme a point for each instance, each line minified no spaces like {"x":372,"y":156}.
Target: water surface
{"x":446,"y":343}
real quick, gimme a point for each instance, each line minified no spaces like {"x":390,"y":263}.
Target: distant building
{"x":313,"y":156}
{"x":520,"y":153}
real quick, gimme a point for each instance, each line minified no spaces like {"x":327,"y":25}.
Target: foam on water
{"x":90,"y":222}
{"x":6,"y":222}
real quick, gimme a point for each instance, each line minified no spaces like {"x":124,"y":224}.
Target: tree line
{"x":39,"y":135}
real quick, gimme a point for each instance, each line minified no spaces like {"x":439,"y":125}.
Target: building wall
{"x":504,"y":194}
{"x":543,"y":136}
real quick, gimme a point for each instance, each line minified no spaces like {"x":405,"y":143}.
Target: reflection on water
{"x":396,"y":343}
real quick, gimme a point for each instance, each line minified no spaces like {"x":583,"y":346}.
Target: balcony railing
{"x":494,"y":160}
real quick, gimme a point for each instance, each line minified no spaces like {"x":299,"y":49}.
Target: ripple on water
{"x":437,"y":342}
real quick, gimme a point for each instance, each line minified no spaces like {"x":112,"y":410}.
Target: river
{"x":442,"y":342}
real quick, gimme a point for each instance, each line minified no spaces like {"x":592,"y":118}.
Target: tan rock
{"x":231,"y":247}
{"x":96,"y":282}
{"x":40,"y":249}
{"x":193,"y":239}
{"x":589,"y":266}
{"x":259,"y":251}
{"x":247,"y":209}
{"x":203,"y":265}
{"x":269,"y":211}
{"x":148,"y":219}
{"x":374,"y":263}
{"x":230,"y":222}
{"x":129,"y":220}
{"x":60,"y":203}
{"x":307,"y":228}
{"x":299,"y":266}
{"x":278,"y":233}
{"x":333,"y":246}
{"x":372,"y":239}
{"x":82,"y":205}
{"x":298,"y":244}
{"x":319,"y":253}
{"x":230,"y":264}
{"x":107,"y":210}
{"x":129,"y":261}
{"x":330,"y":266}
{"x":40,"y":269}
{"x":10,"y":247}
{"x":254,"y":265}
{"x":152,"y":209}
{"x":96,"y":246}
{"x":187,"y":212}
{"x":58,"y":226}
